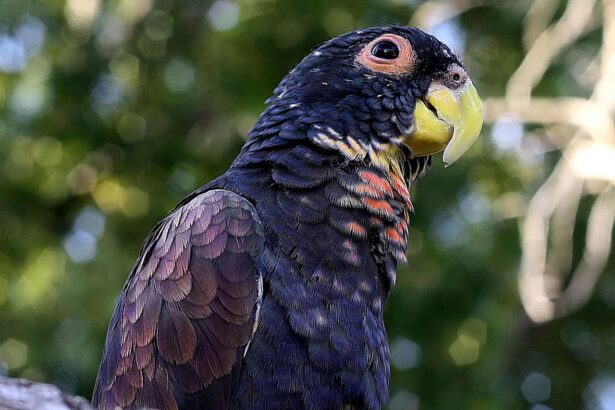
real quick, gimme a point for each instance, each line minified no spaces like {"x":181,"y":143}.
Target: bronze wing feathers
{"x":187,"y":311}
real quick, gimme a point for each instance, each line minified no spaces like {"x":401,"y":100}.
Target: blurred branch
{"x":561,"y":241}
{"x":433,"y":12}
{"x":606,"y":84}
{"x":560,"y":185}
{"x":595,"y":255}
{"x":552,"y":211}
{"x":540,"y":304}
{"x":593,"y":118}
{"x":548,"y":228}
{"x":537,"y":19}
{"x":574,"y":22}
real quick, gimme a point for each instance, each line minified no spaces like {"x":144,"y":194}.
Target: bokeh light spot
{"x":131,"y":127}
{"x":36,"y":285}
{"x":507,"y":133}
{"x":80,"y":243}
{"x":109,"y":34}
{"x":135,"y":203}
{"x":536,"y":387}
{"x":14,"y":353}
{"x":133,"y":10}
{"x":125,"y":67}
{"x":31,"y":35}
{"x":109,"y":195}
{"x":600,"y":393}
{"x":405,"y":354}
{"x":80,"y":14}
{"x":475,"y":207}
{"x":28,"y":99}
{"x":464,"y":350}
{"x":92,"y":221}
{"x":404,"y":400}
{"x":159,"y":26}
{"x":106,"y":95}
{"x":47,"y":151}
{"x":471,"y":334}
{"x":80,"y":246}
{"x":12,"y":55}
{"x":540,"y":407}
{"x":474,"y":328}
{"x":82,"y":179}
{"x":223,"y":15}
{"x":449,"y":229}
{"x":179,"y":75}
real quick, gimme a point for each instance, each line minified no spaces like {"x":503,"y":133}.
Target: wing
{"x":187,"y":312}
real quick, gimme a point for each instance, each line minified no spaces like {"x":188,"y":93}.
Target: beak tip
{"x":449,"y":158}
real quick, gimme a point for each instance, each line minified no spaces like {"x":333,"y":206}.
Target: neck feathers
{"x":342,"y":196}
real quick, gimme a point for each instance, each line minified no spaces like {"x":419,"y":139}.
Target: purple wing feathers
{"x":187,"y":306}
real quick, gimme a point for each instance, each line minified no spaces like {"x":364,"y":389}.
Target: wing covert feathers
{"x":187,"y":308}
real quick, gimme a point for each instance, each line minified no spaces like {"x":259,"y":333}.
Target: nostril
{"x":455,"y":77}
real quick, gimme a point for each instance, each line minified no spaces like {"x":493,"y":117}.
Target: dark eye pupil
{"x":385,"y":49}
{"x":456,"y":77}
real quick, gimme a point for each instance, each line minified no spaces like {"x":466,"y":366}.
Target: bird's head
{"x":382,"y":87}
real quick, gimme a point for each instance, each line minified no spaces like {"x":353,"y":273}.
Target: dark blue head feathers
{"x":330,"y":91}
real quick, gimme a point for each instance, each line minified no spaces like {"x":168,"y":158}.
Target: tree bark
{"x":20,"y":394}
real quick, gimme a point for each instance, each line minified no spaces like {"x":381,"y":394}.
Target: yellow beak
{"x":452,"y":122}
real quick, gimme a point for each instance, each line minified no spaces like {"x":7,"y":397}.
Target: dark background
{"x":110,"y":112}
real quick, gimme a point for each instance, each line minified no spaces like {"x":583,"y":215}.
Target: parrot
{"x":265,"y":288}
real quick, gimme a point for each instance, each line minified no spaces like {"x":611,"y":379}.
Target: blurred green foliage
{"x":112,"y":111}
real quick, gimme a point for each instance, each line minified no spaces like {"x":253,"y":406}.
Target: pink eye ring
{"x":388,"y":54}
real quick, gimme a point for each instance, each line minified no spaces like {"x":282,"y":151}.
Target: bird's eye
{"x":456,"y":77}
{"x":386,"y":50}
{"x":388,"y":54}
